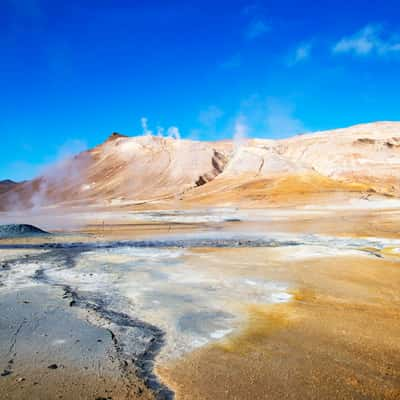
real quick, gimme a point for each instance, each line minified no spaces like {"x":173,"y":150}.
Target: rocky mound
{"x":20,"y":230}
{"x":122,"y":169}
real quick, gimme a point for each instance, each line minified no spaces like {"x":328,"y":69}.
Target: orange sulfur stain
{"x":391,"y":251}
{"x":262,"y":322}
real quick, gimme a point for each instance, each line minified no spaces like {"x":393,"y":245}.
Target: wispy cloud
{"x":300,"y":54}
{"x":372,"y":39}
{"x":256,"y":28}
{"x":271,"y":117}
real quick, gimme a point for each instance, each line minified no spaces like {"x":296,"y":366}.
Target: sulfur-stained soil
{"x":337,"y":339}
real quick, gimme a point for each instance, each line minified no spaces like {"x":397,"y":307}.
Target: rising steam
{"x":240,"y":133}
{"x":172,"y":131}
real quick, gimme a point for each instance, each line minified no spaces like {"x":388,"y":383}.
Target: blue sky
{"x":73,"y":72}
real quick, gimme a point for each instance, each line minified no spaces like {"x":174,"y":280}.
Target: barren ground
{"x":319,"y":319}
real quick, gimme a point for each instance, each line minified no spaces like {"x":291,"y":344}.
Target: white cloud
{"x":369,"y":40}
{"x":257,"y":28}
{"x":300,"y":54}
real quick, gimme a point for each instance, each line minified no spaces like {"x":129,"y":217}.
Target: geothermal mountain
{"x":6,"y":185}
{"x":124,"y":171}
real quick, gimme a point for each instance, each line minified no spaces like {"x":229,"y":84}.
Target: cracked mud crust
{"x":49,"y":352}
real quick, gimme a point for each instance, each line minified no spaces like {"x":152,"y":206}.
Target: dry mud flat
{"x":235,"y":317}
{"x":49,"y":352}
{"x":56,"y":343}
